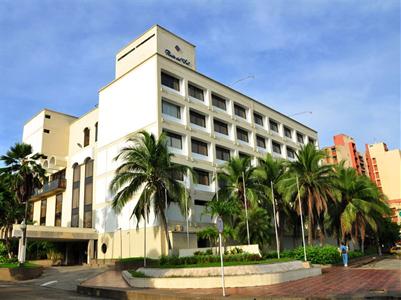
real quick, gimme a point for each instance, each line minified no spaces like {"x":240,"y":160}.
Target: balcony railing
{"x":49,"y":189}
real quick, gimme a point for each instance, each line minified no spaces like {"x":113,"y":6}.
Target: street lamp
{"x":23,"y":244}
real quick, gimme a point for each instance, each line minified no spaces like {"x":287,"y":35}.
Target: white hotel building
{"x":156,"y":88}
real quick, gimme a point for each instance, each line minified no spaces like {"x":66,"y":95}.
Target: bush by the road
{"x":315,"y":254}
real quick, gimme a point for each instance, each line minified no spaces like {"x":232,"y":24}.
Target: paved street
{"x":373,"y":280}
{"x":385,"y":264}
{"x":55,"y":283}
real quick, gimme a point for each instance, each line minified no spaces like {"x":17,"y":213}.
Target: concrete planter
{"x":12,"y":274}
{"x":235,"y":276}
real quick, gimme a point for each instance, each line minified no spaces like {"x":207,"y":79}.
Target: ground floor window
{"x":43,"y":205}
{"x":59,"y":203}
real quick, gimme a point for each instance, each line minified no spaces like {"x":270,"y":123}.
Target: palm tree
{"x":146,"y":166}
{"x":260,"y":227}
{"x":225,"y":208}
{"x":11,"y":211}
{"x":232,"y":177}
{"x":363,"y":204}
{"x":25,"y":175}
{"x":269,"y":173}
{"x":315,"y":185}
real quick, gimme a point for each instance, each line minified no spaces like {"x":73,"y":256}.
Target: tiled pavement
{"x":335,"y":282}
{"x":107,"y":279}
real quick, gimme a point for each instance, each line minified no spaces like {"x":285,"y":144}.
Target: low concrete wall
{"x":215,"y":281}
{"x":13,"y":274}
{"x":42,"y":262}
{"x":235,"y":276}
{"x":252,"y":249}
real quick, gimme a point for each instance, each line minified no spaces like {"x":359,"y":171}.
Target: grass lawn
{"x":27,"y":265}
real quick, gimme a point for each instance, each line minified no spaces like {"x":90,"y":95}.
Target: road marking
{"x":49,"y":282}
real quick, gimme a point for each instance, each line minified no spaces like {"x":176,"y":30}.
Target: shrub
{"x":355,"y":254}
{"x":314,"y":254}
{"x":138,"y":274}
{"x":205,"y":259}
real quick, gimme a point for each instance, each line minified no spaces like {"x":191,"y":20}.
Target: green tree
{"x":146,"y":166}
{"x":364,"y":205}
{"x":225,"y":208}
{"x":11,"y":211}
{"x":315,"y":185}
{"x":269,"y":173}
{"x":260,"y":227}
{"x":25,"y":173}
{"x":231,"y":178}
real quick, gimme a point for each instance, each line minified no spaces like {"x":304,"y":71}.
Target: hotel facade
{"x":157,"y":89}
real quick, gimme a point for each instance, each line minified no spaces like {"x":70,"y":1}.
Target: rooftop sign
{"x":179,"y":59}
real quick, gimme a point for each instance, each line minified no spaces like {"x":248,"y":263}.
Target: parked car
{"x":396,"y":250}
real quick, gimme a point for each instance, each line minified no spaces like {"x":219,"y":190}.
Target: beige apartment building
{"x":344,"y":150}
{"x":156,"y":88}
{"x":384,"y":168}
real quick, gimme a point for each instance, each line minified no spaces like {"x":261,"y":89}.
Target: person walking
{"x":344,"y":253}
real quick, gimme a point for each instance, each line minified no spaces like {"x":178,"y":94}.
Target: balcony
{"x":49,"y":189}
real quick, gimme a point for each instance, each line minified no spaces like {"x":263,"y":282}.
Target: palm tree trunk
{"x":144,"y":236}
{"x":310,"y":231}
{"x":281,"y":231}
{"x":163,"y":218}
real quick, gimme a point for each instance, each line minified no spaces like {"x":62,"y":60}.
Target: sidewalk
{"x":336,"y":282}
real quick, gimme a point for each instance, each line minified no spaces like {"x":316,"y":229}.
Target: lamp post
{"x":275,"y":222}
{"x":246,"y":208}
{"x":22,"y":249}
{"x":302,"y":219}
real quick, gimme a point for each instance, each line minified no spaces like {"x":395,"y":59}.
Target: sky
{"x":338,"y":59}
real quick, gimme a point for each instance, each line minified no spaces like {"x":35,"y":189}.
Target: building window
{"x":197,"y":118}
{"x":201,"y":177}
{"x":195,"y":92}
{"x":171,"y":109}
{"x":57,"y":215}
{"x":43,"y":205}
{"x":88,"y":196}
{"x":219,"y":102}
{"x":201,"y":202}
{"x":96,"y":131}
{"x":240,"y":111}
{"x":46,"y":130}
{"x":276,"y":147}
{"x":300,"y":138}
{"x":287,"y":132}
{"x":261,"y":142}
{"x":220,"y":127}
{"x":48,"y":116}
{"x":199,"y":147}
{"x":242,"y":135}
{"x":290,"y":152}
{"x":86,"y":136}
{"x":222,"y":153}
{"x":311,"y":141}
{"x":174,"y":140}
{"x":258,"y":119}
{"x":178,"y":176}
{"x":273,"y":125}
{"x":243,"y":155}
{"x":75,"y":195}
{"x":170,"y":81}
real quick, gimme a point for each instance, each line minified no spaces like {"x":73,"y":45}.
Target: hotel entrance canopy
{"x":55,"y":233}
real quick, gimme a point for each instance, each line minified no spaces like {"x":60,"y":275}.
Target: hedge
{"x":315,"y":254}
{"x":203,"y":259}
